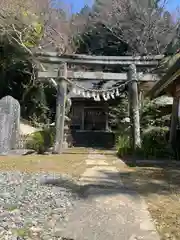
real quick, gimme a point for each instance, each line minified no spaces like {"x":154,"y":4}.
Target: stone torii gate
{"x":60,"y":72}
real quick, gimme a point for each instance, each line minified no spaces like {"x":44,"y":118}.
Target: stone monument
{"x":9,"y":124}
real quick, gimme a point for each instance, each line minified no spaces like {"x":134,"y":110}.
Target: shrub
{"x":41,"y":141}
{"x":155,"y":143}
{"x":123,"y":146}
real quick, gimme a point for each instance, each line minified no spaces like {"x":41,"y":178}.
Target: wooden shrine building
{"x":90,"y":118}
{"x":169,"y":84}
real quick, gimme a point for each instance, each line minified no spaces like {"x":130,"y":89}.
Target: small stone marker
{"x":9,"y":124}
{"x":4,"y":133}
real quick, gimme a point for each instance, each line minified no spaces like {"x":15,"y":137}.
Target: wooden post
{"x":82,"y":120}
{"x":174,"y":121}
{"x":134,"y":107}
{"x":60,"y":108}
{"x":107,"y":117}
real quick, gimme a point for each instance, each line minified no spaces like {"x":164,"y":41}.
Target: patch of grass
{"x":123,"y":146}
{"x":11,"y":207}
{"x":22,"y":232}
{"x":67,"y":163}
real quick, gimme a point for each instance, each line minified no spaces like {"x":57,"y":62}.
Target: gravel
{"x":30,"y":209}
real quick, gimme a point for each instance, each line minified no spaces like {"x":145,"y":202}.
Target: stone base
{"x":65,"y":145}
{"x":18,"y":152}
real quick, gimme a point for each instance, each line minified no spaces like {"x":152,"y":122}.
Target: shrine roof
{"x":172,"y":75}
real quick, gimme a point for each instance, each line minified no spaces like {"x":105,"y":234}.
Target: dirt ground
{"x":71,"y":163}
{"x":160,"y":186}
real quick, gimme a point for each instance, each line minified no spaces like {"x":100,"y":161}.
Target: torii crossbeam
{"x":60,"y":72}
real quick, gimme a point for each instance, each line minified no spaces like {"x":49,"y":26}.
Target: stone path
{"x":108,"y":210}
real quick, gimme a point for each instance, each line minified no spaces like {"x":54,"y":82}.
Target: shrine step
{"x":93,"y":139}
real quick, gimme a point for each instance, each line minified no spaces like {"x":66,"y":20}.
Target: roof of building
{"x":163,"y":100}
{"x":172,"y":74}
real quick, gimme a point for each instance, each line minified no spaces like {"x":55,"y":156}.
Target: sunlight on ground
{"x":72,"y":164}
{"x":160,"y":186}
{"x":161,"y":190}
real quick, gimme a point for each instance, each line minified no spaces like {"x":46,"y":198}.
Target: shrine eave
{"x":166,"y":82}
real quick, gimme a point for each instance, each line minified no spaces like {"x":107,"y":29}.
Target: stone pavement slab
{"x":110,"y":217}
{"x":108,"y":210}
{"x":92,"y":162}
{"x":101,"y":175}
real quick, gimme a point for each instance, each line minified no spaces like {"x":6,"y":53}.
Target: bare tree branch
{"x":22,"y":20}
{"x":146,"y":29}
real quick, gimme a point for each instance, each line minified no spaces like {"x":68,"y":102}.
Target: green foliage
{"x":34,"y":32}
{"x":98,"y":40}
{"x":22,"y":232}
{"x":17,"y":72}
{"x":41,"y":141}
{"x":155,"y":143}
{"x":155,"y":113}
{"x":118,"y":115}
{"x":123,"y":146}
{"x":37,"y":100}
{"x":152,"y":113}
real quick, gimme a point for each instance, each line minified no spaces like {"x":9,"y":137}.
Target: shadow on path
{"x":146,"y":181}
{"x":105,"y":201}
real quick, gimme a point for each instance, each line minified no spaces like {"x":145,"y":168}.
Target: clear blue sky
{"x":173,"y":4}
{"x":76,"y":5}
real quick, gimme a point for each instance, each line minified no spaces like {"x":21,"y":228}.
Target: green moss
{"x":41,"y":141}
{"x":22,"y":232}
